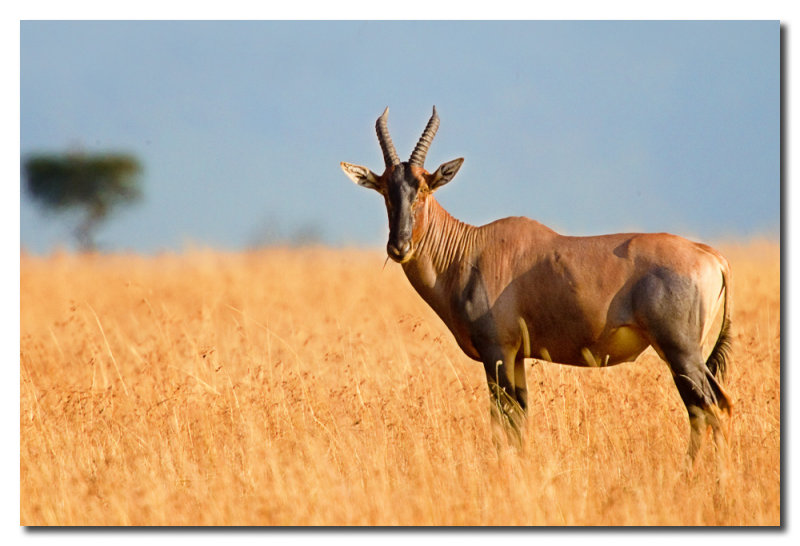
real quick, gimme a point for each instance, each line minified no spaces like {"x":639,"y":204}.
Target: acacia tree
{"x":97,"y":183}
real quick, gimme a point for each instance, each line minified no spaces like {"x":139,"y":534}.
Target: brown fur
{"x":515,"y":287}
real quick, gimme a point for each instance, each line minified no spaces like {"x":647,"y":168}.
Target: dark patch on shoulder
{"x":474,"y":298}
{"x":473,"y":309}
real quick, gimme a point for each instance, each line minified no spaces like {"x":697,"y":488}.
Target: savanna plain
{"x":314,"y":387}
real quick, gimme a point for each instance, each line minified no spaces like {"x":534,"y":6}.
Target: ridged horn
{"x":421,"y":150}
{"x":389,"y":154}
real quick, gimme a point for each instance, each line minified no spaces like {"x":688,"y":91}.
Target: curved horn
{"x":421,"y":150}
{"x":389,"y":154}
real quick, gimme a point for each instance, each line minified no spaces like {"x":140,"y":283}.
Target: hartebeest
{"x":515,"y":288}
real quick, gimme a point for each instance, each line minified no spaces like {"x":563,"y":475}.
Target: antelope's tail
{"x":720,"y":356}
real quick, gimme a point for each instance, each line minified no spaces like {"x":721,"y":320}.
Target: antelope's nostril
{"x":398,"y":253}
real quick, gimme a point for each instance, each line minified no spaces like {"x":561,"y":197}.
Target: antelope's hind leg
{"x":701,"y":395}
{"x":667,"y":307}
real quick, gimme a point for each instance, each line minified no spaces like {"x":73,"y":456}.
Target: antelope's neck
{"x":446,"y":249}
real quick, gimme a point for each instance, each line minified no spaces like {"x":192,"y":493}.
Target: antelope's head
{"x":404,"y":185}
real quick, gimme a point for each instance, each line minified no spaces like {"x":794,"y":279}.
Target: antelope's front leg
{"x":507,"y":413}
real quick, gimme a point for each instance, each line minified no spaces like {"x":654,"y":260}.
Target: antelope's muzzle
{"x":399,"y":252}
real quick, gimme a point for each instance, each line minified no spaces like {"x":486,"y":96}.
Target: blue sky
{"x":588,"y":127}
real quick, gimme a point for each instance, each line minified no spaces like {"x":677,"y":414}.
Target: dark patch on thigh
{"x":667,"y":306}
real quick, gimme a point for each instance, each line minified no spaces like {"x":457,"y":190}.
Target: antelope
{"x":516,"y":289}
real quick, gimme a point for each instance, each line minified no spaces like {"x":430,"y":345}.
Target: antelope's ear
{"x":361,"y":176}
{"x":445,"y":173}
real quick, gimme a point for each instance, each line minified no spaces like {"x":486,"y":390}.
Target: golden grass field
{"x":314,"y":387}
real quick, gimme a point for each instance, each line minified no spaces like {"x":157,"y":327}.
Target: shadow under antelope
{"x":514,"y":288}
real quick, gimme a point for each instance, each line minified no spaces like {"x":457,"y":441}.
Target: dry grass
{"x":311,"y":387}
